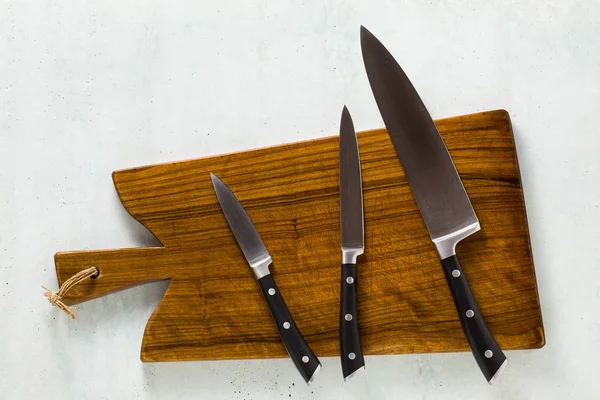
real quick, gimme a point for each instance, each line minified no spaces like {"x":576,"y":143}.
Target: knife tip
{"x":364,"y":31}
{"x":368,"y":40}
{"x":365,"y":36}
{"x":346,"y":124}
{"x":345,"y":111}
{"x":214,"y":178}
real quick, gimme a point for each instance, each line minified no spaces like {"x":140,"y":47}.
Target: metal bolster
{"x":349,"y":254}
{"x":446,"y":245}
{"x":261,"y":267}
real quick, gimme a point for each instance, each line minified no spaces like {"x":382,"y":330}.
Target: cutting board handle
{"x":119,"y":269}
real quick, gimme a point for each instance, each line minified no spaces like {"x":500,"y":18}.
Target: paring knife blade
{"x":259,"y":259}
{"x":353,"y":245}
{"x":435,"y":184}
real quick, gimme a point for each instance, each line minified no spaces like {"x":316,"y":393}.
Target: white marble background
{"x":87,"y":87}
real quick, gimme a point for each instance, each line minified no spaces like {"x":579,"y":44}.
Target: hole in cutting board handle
{"x":97,"y":274}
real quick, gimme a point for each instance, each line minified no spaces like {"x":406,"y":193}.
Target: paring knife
{"x":436,"y":186}
{"x":259,"y":259}
{"x":353,"y":245}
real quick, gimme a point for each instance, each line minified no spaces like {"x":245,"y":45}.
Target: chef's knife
{"x":436,"y":186}
{"x":259,"y":259}
{"x":353,"y":245}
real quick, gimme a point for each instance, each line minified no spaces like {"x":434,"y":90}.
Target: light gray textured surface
{"x":88,"y":87}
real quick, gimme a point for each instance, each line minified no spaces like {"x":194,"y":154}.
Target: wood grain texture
{"x":213,"y":308}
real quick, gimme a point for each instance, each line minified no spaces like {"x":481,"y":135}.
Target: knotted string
{"x":56,"y":298}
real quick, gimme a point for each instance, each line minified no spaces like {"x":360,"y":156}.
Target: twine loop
{"x":55,"y":298}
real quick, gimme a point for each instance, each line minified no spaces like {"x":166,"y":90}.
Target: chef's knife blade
{"x":353,"y":245}
{"x":259,"y":259}
{"x":436,"y":186}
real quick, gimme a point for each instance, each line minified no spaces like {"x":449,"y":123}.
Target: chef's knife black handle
{"x":488,"y":355}
{"x":305,"y":360}
{"x":350,"y":349}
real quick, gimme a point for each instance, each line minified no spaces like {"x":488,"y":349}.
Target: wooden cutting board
{"x":213,"y":308}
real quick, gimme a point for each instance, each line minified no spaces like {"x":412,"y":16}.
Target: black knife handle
{"x":305,"y":360}
{"x":488,"y":355}
{"x":350,"y":349}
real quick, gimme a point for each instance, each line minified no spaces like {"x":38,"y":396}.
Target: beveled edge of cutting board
{"x":506,"y":115}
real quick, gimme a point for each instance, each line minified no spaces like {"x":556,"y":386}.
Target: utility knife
{"x":259,"y":259}
{"x":353,"y":245}
{"x":436,"y":187}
